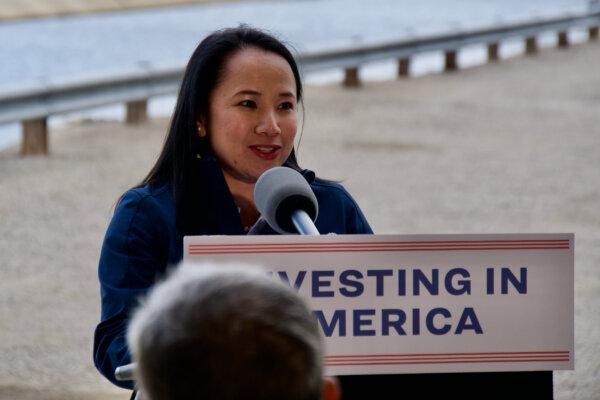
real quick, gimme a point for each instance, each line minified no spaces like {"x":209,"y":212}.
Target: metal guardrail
{"x":37,"y":104}
{"x":47,"y":100}
{"x":445,"y":42}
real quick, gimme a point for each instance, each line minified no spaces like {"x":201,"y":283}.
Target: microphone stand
{"x":126,"y":373}
{"x":303,"y":223}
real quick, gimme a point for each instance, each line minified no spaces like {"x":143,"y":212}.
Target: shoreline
{"x":16,"y":10}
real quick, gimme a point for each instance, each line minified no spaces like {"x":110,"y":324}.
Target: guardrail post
{"x":450,"y":61}
{"x":403,"y":67}
{"x":137,"y":112}
{"x":531,"y":45}
{"x":35,"y":137}
{"x":563,"y":40}
{"x":351,"y":78}
{"x":593,"y":33}
{"x":493,"y":52}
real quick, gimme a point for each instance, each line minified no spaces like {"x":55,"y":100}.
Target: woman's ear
{"x":331,"y":388}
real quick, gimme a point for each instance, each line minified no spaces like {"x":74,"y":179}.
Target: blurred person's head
{"x":225,"y":334}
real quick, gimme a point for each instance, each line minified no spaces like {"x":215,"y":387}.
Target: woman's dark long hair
{"x":183,"y":146}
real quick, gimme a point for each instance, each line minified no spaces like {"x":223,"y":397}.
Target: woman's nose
{"x":268,"y":125}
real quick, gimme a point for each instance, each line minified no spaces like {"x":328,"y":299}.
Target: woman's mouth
{"x":266,"y":151}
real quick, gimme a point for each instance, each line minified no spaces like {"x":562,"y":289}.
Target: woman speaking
{"x":236,"y":117}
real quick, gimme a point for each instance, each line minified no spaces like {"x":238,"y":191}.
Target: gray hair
{"x":226,"y":333}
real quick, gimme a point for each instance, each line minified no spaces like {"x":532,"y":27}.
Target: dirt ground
{"x":508,"y":147}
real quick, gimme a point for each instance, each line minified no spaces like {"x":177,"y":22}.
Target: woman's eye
{"x":286,"y":106}
{"x":248,"y":104}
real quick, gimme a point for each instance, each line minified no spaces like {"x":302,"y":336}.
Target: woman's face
{"x":253,"y":114}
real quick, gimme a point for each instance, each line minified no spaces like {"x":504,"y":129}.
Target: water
{"x":60,"y":49}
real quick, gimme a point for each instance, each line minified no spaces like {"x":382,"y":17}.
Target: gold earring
{"x":201,"y":132}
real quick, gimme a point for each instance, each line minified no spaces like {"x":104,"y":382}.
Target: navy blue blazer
{"x":143,"y":239}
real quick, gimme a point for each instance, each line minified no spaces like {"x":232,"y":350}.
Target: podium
{"x":453,"y":316}
{"x":535,"y":385}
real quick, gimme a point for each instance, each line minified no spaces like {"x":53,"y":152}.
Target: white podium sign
{"x":423,"y":303}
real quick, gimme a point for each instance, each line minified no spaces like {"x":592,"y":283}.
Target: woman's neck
{"x":243,"y":195}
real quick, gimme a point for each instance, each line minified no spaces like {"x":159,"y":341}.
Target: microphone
{"x":286,"y":201}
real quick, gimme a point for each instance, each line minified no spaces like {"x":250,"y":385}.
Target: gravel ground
{"x":509,"y":147}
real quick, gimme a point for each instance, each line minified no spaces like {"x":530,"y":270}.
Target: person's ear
{"x":332,"y":389}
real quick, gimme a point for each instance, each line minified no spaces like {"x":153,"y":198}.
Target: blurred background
{"x":494,"y":147}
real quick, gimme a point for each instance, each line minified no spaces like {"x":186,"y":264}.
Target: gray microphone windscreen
{"x":279,"y":192}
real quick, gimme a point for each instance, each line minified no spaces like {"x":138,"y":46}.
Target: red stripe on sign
{"x":558,"y":352}
{"x":446,"y":358}
{"x":362,"y":246}
{"x":483,"y":361}
{"x":371,"y":250}
{"x":444,"y":242}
